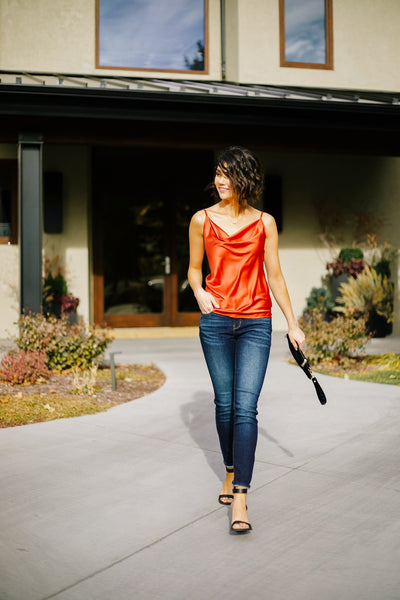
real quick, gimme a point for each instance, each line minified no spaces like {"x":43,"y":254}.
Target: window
{"x":306,"y":33}
{"x":8,"y":202}
{"x":154,"y":35}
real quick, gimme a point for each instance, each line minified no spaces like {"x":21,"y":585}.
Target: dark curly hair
{"x":244,"y":171}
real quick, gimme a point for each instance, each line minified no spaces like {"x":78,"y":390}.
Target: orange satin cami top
{"x":237,"y":277}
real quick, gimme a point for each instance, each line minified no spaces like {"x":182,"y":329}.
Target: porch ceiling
{"x":61,"y":105}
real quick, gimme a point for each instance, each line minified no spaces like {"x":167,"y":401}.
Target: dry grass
{"x":58,"y":398}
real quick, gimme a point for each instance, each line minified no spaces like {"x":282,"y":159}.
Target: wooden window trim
{"x":13,"y":166}
{"x":144,"y":70}
{"x":328,"y":65}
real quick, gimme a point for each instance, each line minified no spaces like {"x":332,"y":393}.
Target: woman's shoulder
{"x":198,"y":218}
{"x":268,"y":220}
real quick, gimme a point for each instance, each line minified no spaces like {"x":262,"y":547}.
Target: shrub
{"x":353,"y":267}
{"x":383,"y":268}
{"x":348,"y":254}
{"x":56,"y":298}
{"x":320,"y":298}
{"x":350,"y":260}
{"x":382,"y":256}
{"x":23,"y":366}
{"x":65,"y":346}
{"x":336,"y":340}
{"x":54,"y":287}
{"x":369,"y":292}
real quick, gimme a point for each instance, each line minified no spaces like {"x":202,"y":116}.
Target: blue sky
{"x":305,"y":31}
{"x":154,"y":34}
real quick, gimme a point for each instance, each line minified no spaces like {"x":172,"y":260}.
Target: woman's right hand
{"x":206,"y":301}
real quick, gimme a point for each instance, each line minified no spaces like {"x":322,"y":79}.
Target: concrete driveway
{"x":123,"y":505}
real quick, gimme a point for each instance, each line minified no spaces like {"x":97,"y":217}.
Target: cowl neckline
{"x":239,"y":231}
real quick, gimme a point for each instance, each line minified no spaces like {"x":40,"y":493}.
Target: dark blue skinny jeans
{"x":236,"y":352}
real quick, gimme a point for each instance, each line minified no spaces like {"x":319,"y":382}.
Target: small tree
{"x":197,"y":62}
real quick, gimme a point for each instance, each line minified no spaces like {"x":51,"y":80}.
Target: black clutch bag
{"x":305,"y":365}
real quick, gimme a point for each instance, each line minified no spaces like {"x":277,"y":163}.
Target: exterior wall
{"x":232,"y":41}
{"x":69,"y":29}
{"x":72,"y":246}
{"x":365,"y":41}
{"x":9,"y":271}
{"x":365,"y":46}
{"x":316,"y":186}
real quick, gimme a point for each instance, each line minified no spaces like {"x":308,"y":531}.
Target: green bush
{"x":336,"y":340}
{"x":54,"y":287}
{"x":347,"y":254}
{"x":56,"y":298}
{"x":383,"y":268}
{"x":65,"y":346}
{"x":382,"y":257}
{"x":320,"y":298}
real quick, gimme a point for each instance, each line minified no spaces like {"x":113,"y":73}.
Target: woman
{"x":235,"y":324}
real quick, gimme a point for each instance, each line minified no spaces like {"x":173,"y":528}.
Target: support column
{"x":30,"y":221}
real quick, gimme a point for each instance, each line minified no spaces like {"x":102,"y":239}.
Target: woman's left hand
{"x":297,"y":337}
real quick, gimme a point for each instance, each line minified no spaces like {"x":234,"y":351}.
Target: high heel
{"x":229,"y":497}
{"x":247,"y":529}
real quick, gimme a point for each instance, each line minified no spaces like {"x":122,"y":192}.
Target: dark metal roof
{"x":130,"y":85}
{"x":93,"y":109}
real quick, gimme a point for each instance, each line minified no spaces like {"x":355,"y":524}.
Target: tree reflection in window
{"x":152,"y":34}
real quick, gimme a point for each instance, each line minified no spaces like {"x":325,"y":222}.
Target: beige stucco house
{"x":108,"y":137}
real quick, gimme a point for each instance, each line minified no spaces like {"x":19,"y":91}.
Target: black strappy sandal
{"x":247,"y":529}
{"x":229,"y":497}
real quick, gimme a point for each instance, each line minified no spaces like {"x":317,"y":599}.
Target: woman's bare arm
{"x":205,"y":300}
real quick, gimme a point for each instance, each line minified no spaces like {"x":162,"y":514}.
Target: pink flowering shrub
{"x":23,"y":367}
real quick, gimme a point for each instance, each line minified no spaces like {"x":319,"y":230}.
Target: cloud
{"x":299,"y":13}
{"x":305,"y":39}
{"x":308,"y":45}
{"x":154,"y":34}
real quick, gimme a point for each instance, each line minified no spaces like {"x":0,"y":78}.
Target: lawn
{"x":381,"y":368}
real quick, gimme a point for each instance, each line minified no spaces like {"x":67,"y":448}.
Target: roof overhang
{"x":56,"y":103}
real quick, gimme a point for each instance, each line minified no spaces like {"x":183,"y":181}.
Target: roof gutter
{"x":223,"y":42}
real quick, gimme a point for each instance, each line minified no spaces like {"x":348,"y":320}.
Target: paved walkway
{"x":123,"y":505}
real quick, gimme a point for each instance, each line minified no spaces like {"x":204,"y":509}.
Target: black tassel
{"x":319,"y":390}
{"x":305,"y":365}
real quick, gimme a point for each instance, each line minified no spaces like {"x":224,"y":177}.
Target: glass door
{"x":143,"y":200}
{"x":189,"y":174}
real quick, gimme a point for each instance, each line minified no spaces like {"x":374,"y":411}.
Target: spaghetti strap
{"x":260,"y":217}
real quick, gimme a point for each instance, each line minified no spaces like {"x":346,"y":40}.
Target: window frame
{"x":205,"y":71}
{"x":328,"y":65}
{"x":13,"y":168}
